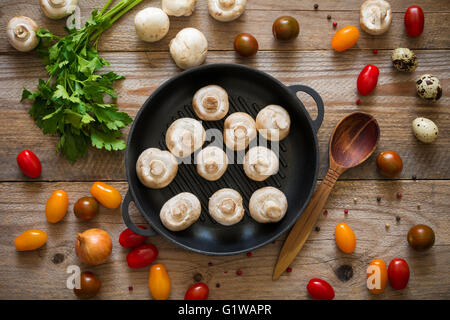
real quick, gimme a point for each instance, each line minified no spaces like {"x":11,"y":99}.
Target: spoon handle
{"x":304,"y":225}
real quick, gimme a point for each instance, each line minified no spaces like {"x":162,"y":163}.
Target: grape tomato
{"x":320,"y":289}
{"x":29,"y":163}
{"x":129,"y":239}
{"x":198,"y":291}
{"x":345,"y":38}
{"x":414,"y":21}
{"x":142,"y":256}
{"x":367,"y":79}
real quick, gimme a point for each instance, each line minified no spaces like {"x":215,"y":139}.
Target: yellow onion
{"x":93,"y":246}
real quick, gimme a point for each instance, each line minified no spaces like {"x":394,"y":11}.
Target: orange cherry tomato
{"x":377,"y":272}
{"x":56,"y":206}
{"x":345,"y":38}
{"x":159,"y":282}
{"x":345,"y":238}
{"x":107,"y":195}
{"x":30,"y":240}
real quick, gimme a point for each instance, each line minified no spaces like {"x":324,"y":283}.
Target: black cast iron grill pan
{"x":249,"y":91}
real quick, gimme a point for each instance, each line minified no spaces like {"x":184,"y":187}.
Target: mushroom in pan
{"x":375,"y":16}
{"x":57,"y":9}
{"x":239,"y":130}
{"x":260,"y":163}
{"x":212,"y":163}
{"x":178,"y":8}
{"x":151,"y":24}
{"x":188,"y":48}
{"x":180,"y":211}
{"x":225,"y":206}
{"x":273,"y":122}
{"x":210,"y":103}
{"x":21,"y":32}
{"x":226,"y":10}
{"x":184,"y":136}
{"x":268,"y":204}
{"x":156,"y":168}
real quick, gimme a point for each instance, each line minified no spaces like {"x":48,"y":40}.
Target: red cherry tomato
{"x":320,"y":289}
{"x":142,"y":256}
{"x":398,"y":273}
{"x":198,"y":291}
{"x":367,"y":79}
{"x":414,"y":21}
{"x":29,"y":164}
{"x":129,"y":239}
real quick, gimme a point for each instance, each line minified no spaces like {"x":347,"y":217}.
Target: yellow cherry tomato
{"x":159,"y":282}
{"x":377,"y":272}
{"x":107,"y":195}
{"x":56,"y":206}
{"x":345,"y":238}
{"x":30,"y":240}
{"x":345,"y":38}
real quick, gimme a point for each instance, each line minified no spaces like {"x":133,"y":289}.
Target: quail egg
{"x":404,"y":59}
{"x":425,"y":130}
{"x":429,"y":87}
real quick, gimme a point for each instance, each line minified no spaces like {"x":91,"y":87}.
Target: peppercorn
{"x":335,"y":24}
{"x":130,"y":288}
{"x":414,"y":177}
{"x":378,"y":198}
{"x":249,"y":254}
{"x":198,"y":277}
{"x":397,"y":218}
{"x":375,"y":51}
{"x":387,"y":225}
{"x":358,"y":102}
{"x":329,"y":17}
{"x":217,"y":285}
{"x":210,"y":264}
{"x":316,"y":6}
{"x":239,"y":272}
{"x":325,"y":212}
{"x":346,"y":211}
{"x":289,"y":269}
{"x":317,"y":229}
{"x":399,"y":195}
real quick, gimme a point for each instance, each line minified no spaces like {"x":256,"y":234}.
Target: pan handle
{"x":320,"y":109}
{"x":126,"y":218}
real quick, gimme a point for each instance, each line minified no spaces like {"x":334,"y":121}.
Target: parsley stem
{"x":106,"y":7}
{"x":128,"y":8}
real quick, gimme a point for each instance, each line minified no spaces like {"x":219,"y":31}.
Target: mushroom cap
{"x":180,"y":211}
{"x":375,"y":16}
{"x":273,"y":122}
{"x":57,"y":9}
{"x":239,"y":130}
{"x":178,"y":8}
{"x":21,"y":32}
{"x":260,"y":163}
{"x":151,"y":24}
{"x":188,"y":48}
{"x":212,"y":162}
{"x":184,"y":136}
{"x":268,"y":204}
{"x":225,"y":206}
{"x":211,"y":103}
{"x":156,"y":168}
{"x":226,"y":10}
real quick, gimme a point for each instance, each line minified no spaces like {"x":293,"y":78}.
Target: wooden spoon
{"x":353,"y":141}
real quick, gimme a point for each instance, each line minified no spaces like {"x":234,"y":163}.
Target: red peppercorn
{"x":210,"y":264}
{"x":249,"y":254}
{"x":289,"y":269}
{"x":335,"y":24}
{"x":358,"y":102}
{"x":239,"y":272}
{"x":375,"y":51}
{"x":399,"y":195}
{"x":130,"y":288}
{"x":325,"y":212}
{"x":346,"y":211}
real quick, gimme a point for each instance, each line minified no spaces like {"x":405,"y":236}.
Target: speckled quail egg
{"x":404,"y":59}
{"x":429,"y":87}
{"x":425,"y":130}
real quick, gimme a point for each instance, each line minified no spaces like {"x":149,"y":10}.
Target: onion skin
{"x":93,"y":246}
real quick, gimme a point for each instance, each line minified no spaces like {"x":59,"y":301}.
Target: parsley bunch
{"x":71,"y":102}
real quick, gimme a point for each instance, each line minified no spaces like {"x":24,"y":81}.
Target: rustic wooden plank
{"x":394,"y":104}
{"x":31,"y":275}
{"x":316,"y":31}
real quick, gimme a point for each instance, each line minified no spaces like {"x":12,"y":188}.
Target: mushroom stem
{"x":227,"y":206}
{"x":210,"y":103}
{"x":21,"y":32}
{"x":227,"y":3}
{"x":57,"y":3}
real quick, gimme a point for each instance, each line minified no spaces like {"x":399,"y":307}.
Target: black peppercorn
{"x":198,"y":277}
{"x":317,"y":229}
{"x":397,"y":218}
{"x":378,"y":198}
{"x":316,"y":6}
{"x":329,"y":17}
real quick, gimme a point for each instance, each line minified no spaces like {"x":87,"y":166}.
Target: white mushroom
{"x":21,"y":32}
{"x":260,"y":163}
{"x":268,"y":204}
{"x":239,"y":130}
{"x":151,"y":24}
{"x":184,"y":136}
{"x":273,"y":122}
{"x":156,"y":168}
{"x":57,"y":9}
{"x":212,"y":162}
{"x":375,"y":16}
{"x":226,"y":10}
{"x":178,"y":8}
{"x":211,"y":103}
{"x":188,"y":48}
{"x":225,"y":206}
{"x":180,"y":211}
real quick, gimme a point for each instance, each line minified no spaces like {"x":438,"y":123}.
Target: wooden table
{"x":308,"y":60}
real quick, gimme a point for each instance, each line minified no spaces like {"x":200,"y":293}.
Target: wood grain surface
{"x":310,"y":61}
